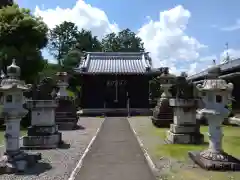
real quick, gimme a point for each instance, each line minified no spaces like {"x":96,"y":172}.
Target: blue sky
{"x":206,"y":23}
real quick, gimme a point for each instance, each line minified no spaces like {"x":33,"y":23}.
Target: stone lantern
{"x":163,"y":113}
{"x":185,"y":101}
{"x":43,"y":132}
{"x":216,"y":94}
{"x":66,"y":112}
{"x":62,"y":84}
{"x":12,"y":98}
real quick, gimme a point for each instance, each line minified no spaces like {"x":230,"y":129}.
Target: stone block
{"x":42,"y":142}
{"x":215,"y":161}
{"x":18,"y":162}
{"x":42,"y":130}
{"x":21,"y":165}
{"x":66,"y":120}
{"x":191,"y":138}
{"x":187,"y":129}
{"x":182,"y":117}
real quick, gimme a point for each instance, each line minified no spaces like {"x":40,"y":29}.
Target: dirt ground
{"x":171,"y":168}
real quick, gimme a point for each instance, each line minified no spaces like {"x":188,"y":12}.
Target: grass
{"x":179,"y":153}
{"x":231,"y":143}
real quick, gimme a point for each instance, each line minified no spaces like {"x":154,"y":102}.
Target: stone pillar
{"x":184,"y":129}
{"x":12,"y":135}
{"x":215,"y":134}
{"x":66,"y":112}
{"x":43,"y":132}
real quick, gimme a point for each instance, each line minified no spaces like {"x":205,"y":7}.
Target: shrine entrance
{"x":116,"y":93}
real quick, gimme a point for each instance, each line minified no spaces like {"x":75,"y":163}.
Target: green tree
{"x":49,"y":70}
{"x":62,"y":39}
{"x":72,"y":59}
{"x":22,"y":37}
{"x":4,"y":3}
{"x":87,"y":42}
{"x":111,"y":43}
{"x":124,"y":41}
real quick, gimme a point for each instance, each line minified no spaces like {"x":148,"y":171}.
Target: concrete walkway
{"x":115,"y":155}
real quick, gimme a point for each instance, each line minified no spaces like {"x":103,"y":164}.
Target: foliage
{"x":230,"y":108}
{"x":72,"y":59}
{"x":62,"y":39}
{"x":49,"y":70}
{"x":155,"y":89}
{"x":87,"y":42}
{"x":4,"y":3}
{"x":22,"y":37}
{"x":124,"y":41}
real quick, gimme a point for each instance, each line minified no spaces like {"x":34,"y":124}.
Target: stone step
{"x":34,"y":142}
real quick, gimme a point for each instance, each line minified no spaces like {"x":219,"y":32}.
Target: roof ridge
{"x":116,"y":53}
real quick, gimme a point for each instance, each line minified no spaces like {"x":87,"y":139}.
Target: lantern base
{"x":219,"y":161}
{"x":173,"y":138}
{"x":162,"y":113}
{"x":42,"y":141}
{"x":66,"y":115}
{"x":184,"y":134}
{"x":13,"y":162}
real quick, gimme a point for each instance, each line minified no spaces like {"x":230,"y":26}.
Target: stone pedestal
{"x":66,"y":114}
{"x":43,"y":132}
{"x":163,"y":113}
{"x":185,"y":129}
{"x":214,"y":158}
{"x":15,"y":160}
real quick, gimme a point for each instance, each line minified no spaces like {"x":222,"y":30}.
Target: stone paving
{"x":115,"y":154}
{"x":58,"y":164}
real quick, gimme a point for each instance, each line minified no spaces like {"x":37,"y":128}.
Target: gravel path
{"x":58,"y":164}
{"x":115,"y":155}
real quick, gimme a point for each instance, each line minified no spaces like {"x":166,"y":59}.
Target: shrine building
{"x":115,"y":81}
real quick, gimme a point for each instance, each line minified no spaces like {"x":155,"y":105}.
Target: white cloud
{"x":233,"y":27}
{"x":207,"y":61}
{"x":208,"y":58}
{"x":82,"y":14}
{"x":167,"y":41}
{"x":233,"y":54}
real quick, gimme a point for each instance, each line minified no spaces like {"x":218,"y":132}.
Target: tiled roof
{"x":115,"y":62}
{"x":224,"y":67}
